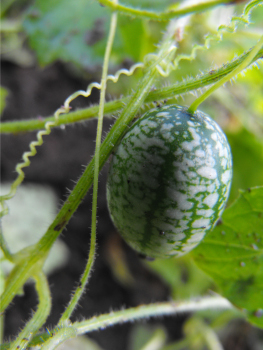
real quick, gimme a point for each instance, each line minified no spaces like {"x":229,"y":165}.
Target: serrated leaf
{"x":232,"y":254}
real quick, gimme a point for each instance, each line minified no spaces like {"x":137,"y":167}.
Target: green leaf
{"x":72,"y":31}
{"x":76,"y":31}
{"x":134,"y":38}
{"x":247,"y":152}
{"x":184,"y":278}
{"x":232,"y":254}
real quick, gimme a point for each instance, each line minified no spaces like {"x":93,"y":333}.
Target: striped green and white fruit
{"x":169,"y":181}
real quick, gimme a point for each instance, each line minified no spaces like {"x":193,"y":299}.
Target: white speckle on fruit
{"x":195,"y":136}
{"x":224,"y":162}
{"x":210,"y":162}
{"x":123,"y":153}
{"x":211,"y":188}
{"x":136,"y":130}
{"x":211,"y":199}
{"x":208,"y":124}
{"x":187,"y":146}
{"x":191,"y":174}
{"x":179,"y":236}
{"x":214,"y":136}
{"x":200,"y":153}
{"x":193,"y":190}
{"x":225,"y":177}
{"x":147,"y":142}
{"x":200,"y":223}
{"x":168,"y":126}
{"x":163,"y":114}
{"x":174,"y":214}
{"x":196,"y":237}
{"x":184,"y":164}
{"x":183,"y":224}
{"x":205,"y":212}
{"x":188,"y":247}
{"x":180,"y":176}
{"x":209,"y":173}
{"x":181,"y":199}
{"x":151,"y":124}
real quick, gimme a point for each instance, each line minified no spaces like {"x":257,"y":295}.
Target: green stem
{"x":243,"y":65}
{"x":211,"y":339}
{"x":59,"y":337}
{"x":39,"y":317}
{"x":166,"y":15}
{"x":33,"y":260}
{"x":143,"y":312}
{"x":3,"y":244}
{"x":146,"y":311}
{"x":84,"y":279}
{"x":112,"y":107}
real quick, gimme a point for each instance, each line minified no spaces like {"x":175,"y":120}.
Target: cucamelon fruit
{"x":169,"y":180}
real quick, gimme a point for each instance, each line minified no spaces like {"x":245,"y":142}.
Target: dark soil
{"x":36,"y":92}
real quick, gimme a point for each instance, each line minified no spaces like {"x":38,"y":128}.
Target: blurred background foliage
{"x":75,"y":32}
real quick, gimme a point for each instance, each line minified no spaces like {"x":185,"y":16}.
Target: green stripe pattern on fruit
{"x":169,"y":181}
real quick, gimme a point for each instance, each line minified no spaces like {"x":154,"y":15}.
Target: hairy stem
{"x":145,"y":311}
{"x":84,"y":279}
{"x":59,"y":337}
{"x":142,"y":312}
{"x":39,"y":317}
{"x":3,"y":244}
{"x":249,"y":59}
{"x":31,"y":261}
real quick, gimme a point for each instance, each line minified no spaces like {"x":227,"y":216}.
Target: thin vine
{"x":39,"y":317}
{"x":84,"y":279}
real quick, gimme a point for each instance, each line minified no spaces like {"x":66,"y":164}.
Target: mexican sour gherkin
{"x":169,"y":181}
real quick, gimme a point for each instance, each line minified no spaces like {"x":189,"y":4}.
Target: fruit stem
{"x":243,"y":65}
